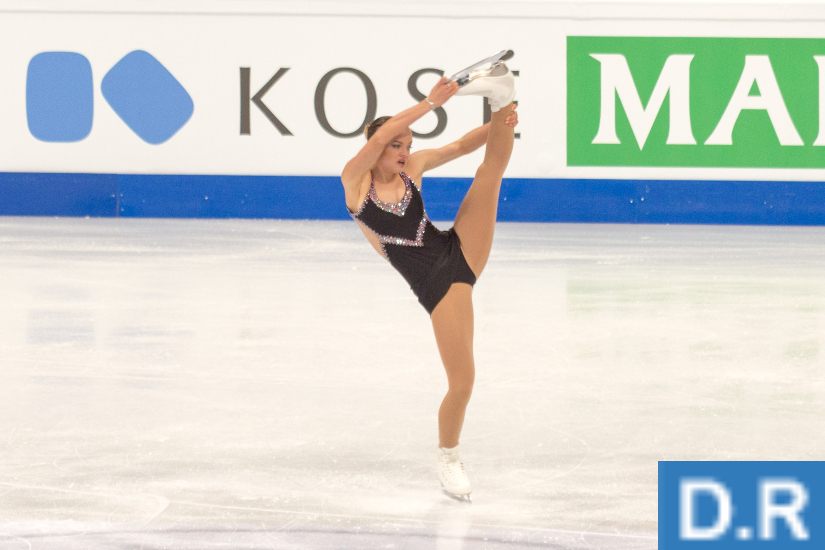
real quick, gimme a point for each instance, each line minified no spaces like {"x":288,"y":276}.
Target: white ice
{"x":275,"y":384}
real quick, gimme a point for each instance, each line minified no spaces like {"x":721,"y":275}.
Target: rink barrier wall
{"x":322,"y":197}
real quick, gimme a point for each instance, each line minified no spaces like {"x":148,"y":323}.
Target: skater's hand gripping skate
{"x":512,"y":118}
{"x":442,"y":91}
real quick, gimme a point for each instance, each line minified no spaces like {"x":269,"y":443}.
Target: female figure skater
{"x":381,"y":185}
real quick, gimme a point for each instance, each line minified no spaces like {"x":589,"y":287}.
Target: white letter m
{"x":617,"y":80}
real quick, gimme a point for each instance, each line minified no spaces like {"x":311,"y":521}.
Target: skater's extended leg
{"x":476,"y":218}
{"x":452,"y":321}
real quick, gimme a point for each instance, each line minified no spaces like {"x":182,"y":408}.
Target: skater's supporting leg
{"x":452,"y":321}
{"x":476,"y":218}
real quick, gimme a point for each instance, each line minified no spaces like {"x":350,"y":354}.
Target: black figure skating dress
{"x":428,"y":258}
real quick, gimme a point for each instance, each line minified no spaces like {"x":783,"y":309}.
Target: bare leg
{"x":453,"y":326}
{"x":453,"y":316}
{"x":476,"y":218}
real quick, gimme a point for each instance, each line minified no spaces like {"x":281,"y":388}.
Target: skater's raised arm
{"x":425,"y":160}
{"x":354,"y":174}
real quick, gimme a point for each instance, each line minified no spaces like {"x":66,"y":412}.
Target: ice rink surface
{"x":199,"y":384}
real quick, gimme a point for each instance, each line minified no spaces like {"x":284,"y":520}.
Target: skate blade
{"x":496,"y":71}
{"x":467,"y":499}
{"x":503,"y":55}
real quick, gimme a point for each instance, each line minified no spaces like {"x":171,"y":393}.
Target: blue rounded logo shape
{"x":59,"y":96}
{"x":146,"y":96}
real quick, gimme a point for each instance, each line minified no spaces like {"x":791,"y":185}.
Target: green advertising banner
{"x":696,"y":102}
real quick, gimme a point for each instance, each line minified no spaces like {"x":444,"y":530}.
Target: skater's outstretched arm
{"x":428,"y":159}
{"x":354,"y":175}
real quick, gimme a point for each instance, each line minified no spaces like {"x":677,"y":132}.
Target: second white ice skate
{"x":463,"y":76}
{"x":489,"y":78}
{"x":453,"y":476}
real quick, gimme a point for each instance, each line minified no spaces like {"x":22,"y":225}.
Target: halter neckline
{"x":397,"y":208}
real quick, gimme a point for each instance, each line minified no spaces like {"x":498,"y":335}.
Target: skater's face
{"x":397,"y":152}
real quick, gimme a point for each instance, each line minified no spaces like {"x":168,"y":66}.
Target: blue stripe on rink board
{"x":39,"y":194}
{"x":664,"y":201}
{"x":285,"y":197}
{"x":322,"y":197}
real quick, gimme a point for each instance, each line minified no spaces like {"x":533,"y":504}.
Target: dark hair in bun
{"x":373,"y":126}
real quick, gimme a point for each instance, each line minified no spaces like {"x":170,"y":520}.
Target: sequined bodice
{"x":402,"y":223}
{"x":408,"y":239}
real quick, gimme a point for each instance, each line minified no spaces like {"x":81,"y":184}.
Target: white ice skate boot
{"x":489,"y":78}
{"x":452,"y":475}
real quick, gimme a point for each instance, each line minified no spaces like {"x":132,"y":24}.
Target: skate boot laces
{"x":452,"y":473}
{"x":455,"y":473}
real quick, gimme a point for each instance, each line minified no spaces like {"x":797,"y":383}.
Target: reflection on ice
{"x":454,"y":527}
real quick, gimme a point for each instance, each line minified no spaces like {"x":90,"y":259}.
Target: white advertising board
{"x":207,"y":52}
